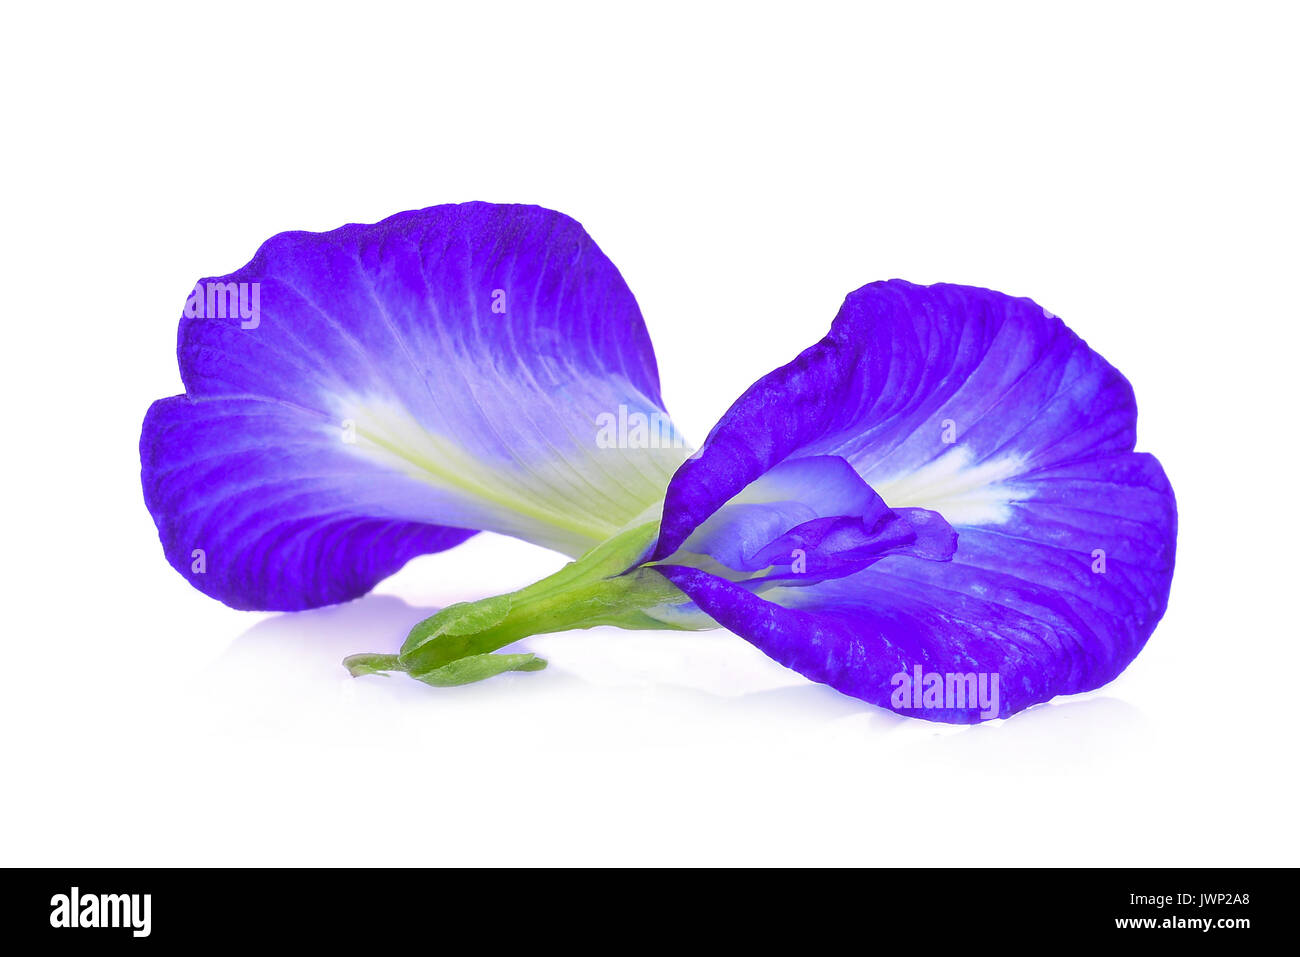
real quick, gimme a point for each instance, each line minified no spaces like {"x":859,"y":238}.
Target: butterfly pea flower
{"x":942,"y":490}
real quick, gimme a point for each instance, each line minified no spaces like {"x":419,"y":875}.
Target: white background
{"x":1132,"y":167}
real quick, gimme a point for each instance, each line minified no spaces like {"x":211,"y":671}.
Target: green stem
{"x":437,"y":641}
{"x":371,"y":664}
{"x":606,"y":586}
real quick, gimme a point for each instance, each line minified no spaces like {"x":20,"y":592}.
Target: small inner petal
{"x":807,"y":520}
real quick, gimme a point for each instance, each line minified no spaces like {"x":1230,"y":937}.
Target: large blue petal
{"x":400,"y":383}
{"x":991,"y":412}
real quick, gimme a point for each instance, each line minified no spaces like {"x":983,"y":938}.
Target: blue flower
{"x":944,"y":485}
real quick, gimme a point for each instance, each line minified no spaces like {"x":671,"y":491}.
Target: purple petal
{"x":810,"y":519}
{"x":990,"y":412}
{"x":388,"y":387}
{"x":261,"y":512}
{"x":827,"y":548}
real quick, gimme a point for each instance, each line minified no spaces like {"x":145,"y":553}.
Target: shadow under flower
{"x":299,"y":656}
{"x":324,"y":636}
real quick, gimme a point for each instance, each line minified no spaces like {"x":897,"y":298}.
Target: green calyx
{"x":606,"y":586}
